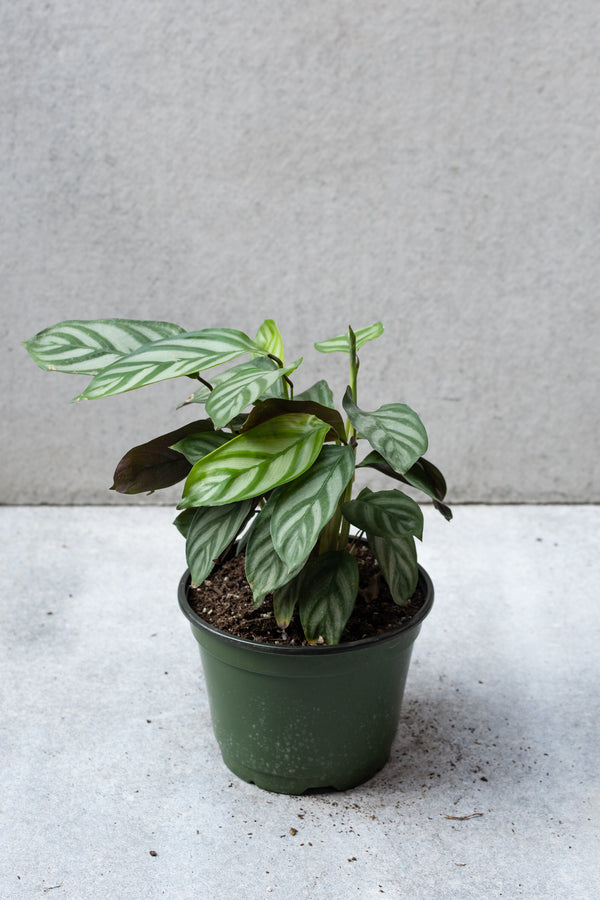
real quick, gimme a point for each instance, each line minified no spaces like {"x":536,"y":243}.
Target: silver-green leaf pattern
{"x":183,"y":521}
{"x":397,"y":559}
{"x":385,"y":513}
{"x":182,"y":354}
{"x":394,"y":430}
{"x":302,"y":508}
{"x":265,"y":570}
{"x":196,"y":446}
{"x":200,"y":395}
{"x":86,"y":347}
{"x":329,"y":587}
{"x":319,"y":392}
{"x":269,"y":339}
{"x":273,"y":453}
{"x":239,"y":387}
{"x":210,"y":531}
{"x":341,"y":344}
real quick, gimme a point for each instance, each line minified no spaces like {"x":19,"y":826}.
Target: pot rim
{"x":232,"y":639}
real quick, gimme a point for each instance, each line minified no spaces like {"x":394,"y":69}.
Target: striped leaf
{"x":319,"y":392}
{"x":397,"y":559}
{"x":394,"y":430}
{"x":86,"y":347}
{"x":256,"y":461}
{"x":302,"y":508}
{"x":285,"y":599}
{"x":195,"y":446}
{"x":270,"y":409}
{"x":422,"y":475}
{"x":385,"y":513}
{"x":200,"y":395}
{"x":329,"y":587}
{"x":240,"y":386}
{"x":183,"y":521}
{"x":180,"y":355}
{"x":155,"y":464}
{"x":265,"y":571}
{"x":210,"y":532}
{"x":269,"y":339}
{"x":341,"y":344}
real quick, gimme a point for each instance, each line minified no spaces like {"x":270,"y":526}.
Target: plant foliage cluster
{"x":267,"y":464}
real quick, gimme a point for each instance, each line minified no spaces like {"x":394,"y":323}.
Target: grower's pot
{"x":291,"y":719}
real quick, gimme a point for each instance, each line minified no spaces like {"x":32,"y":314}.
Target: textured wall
{"x":434,"y":165}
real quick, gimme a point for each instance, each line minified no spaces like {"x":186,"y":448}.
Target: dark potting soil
{"x":224,"y":600}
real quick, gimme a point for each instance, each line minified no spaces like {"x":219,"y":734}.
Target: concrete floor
{"x":113,"y":787}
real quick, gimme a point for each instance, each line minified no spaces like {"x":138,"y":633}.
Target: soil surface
{"x":224,"y":600}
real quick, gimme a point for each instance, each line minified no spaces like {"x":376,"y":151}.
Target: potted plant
{"x":268,"y":485}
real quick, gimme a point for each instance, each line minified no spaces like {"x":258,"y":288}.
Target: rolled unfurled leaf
{"x":256,"y":461}
{"x":85,"y":347}
{"x":268,"y":338}
{"x":341,"y":344}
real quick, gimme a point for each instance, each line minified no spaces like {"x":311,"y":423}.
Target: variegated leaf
{"x":183,"y":521}
{"x":210,"y":532}
{"x":270,"y":409}
{"x":329,"y":587}
{"x":385,"y":513}
{"x":265,"y":570}
{"x":200,"y":395}
{"x":397,"y":559}
{"x":394,"y":430}
{"x":239,"y":387}
{"x":182,"y":354}
{"x":195,"y":446}
{"x":319,"y":392}
{"x":422,"y":475}
{"x":155,"y":464}
{"x":341,"y":344}
{"x":269,"y":339}
{"x":256,"y":461}
{"x":87,"y":346}
{"x":285,"y":599}
{"x":302,"y":508}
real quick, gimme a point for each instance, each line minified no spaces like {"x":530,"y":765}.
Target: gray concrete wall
{"x":434,"y":165}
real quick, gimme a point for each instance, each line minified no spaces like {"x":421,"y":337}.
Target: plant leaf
{"x":341,"y":344}
{"x":87,"y":346}
{"x":394,"y":430}
{"x":422,"y":475}
{"x":270,"y":409}
{"x":256,"y":461}
{"x":210,"y":531}
{"x":196,"y":446}
{"x":182,"y":354}
{"x":329,"y":587}
{"x":385,"y":513}
{"x":155,"y":464}
{"x":319,"y":392}
{"x":269,"y":339}
{"x":265,"y":570}
{"x":183,"y":521}
{"x":200,"y":395}
{"x":302,"y":508}
{"x":241,"y":386}
{"x":397,"y":559}
{"x":285,"y":599}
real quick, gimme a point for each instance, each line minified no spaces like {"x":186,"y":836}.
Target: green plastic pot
{"x":294,"y":719}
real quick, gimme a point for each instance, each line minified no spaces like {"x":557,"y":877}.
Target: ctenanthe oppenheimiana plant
{"x":268,"y":468}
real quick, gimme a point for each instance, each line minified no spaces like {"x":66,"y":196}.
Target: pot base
{"x":284,"y":784}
